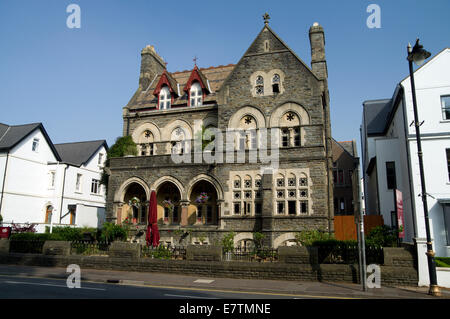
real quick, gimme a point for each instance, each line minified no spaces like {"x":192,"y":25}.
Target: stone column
{"x":184,"y":212}
{"x":267,"y":204}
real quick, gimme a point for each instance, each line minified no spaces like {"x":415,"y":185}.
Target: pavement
{"x":325,"y":290}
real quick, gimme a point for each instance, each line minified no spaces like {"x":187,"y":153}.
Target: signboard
{"x":399,"y":208}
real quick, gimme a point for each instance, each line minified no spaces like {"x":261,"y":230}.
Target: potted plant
{"x":202,"y":198}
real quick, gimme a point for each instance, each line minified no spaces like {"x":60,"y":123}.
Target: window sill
{"x":78,"y":192}
{"x":444,"y":121}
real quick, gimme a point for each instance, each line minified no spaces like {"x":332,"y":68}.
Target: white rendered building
{"x":390,"y":160}
{"x":47,"y":184}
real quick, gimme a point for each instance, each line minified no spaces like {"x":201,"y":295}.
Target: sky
{"x":76,"y":81}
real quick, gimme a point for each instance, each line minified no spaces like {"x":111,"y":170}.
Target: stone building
{"x":269,"y":88}
{"x":345,"y":177}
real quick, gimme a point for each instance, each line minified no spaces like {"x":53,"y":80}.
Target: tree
{"x":122,"y":147}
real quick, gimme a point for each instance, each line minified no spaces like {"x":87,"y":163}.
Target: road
{"x":44,"y":288}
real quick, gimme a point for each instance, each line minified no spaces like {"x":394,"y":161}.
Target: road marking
{"x":50,"y":285}
{"x":184,"y":296}
{"x":216,"y":290}
{"x":203,"y":281}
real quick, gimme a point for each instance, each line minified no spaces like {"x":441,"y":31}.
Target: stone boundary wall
{"x":295,"y":263}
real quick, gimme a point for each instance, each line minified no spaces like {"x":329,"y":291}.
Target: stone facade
{"x":269,"y":88}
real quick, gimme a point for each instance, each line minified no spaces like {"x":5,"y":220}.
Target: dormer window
{"x":164,"y":98}
{"x":196,"y":94}
{"x":276,"y":83}
{"x":259,"y":85}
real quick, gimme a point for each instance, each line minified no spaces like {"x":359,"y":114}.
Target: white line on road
{"x":184,"y":296}
{"x":50,"y":285}
{"x":203,"y":281}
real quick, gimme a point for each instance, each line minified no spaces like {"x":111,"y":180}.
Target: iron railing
{"x":91,"y":248}
{"x":164,"y":252}
{"x":251,"y":254}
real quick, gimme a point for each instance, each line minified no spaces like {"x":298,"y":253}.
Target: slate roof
{"x":350,"y":147}
{"x":214,"y":75}
{"x":79,"y":153}
{"x":12,"y":135}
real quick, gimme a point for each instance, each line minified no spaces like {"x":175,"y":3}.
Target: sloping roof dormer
{"x":166,"y":79}
{"x":197,"y":75}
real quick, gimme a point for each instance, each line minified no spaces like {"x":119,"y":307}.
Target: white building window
{"x":78,"y":183}
{"x":445,"y":102}
{"x":52,"y":179}
{"x":196,"y":94}
{"x":95,"y":186}
{"x":35,"y":145}
{"x":164,"y":98}
{"x":100,"y":159}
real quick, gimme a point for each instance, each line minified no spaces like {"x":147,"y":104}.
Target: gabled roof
{"x":167,"y":79}
{"x":12,"y":135}
{"x":196,"y":75}
{"x":214,"y":76}
{"x":378,"y":114}
{"x":281,"y":44}
{"x":79,"y":153}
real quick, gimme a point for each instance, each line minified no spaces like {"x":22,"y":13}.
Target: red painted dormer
{"x":166,"y":81}
{"x":196,"y":77}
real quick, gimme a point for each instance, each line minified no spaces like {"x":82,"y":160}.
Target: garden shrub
{"x":383,"y":236}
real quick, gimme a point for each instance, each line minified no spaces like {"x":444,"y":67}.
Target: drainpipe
{"x":62,"y":193}
{"x":4,"y":179}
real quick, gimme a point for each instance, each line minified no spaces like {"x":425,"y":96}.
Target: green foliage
{"x":35,"y":237}
{"x":161,"y":252}
{"x":442,"y":261}
{"x":383,"y":236}
{"x":308,"y":237}
{"x":1,"y":219}
{"x":228,"y":242}
{"x":111,"y":232}
{"x":258,"y":239}
{"x":122,"y":147}
{"x":206,"y":136}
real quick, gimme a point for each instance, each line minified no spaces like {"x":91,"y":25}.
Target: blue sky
{"x":76,"y":81}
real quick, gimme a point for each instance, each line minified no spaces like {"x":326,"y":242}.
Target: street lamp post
{"x":418,"y":55}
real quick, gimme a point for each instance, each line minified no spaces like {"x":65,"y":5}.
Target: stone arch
{"x":250,"y":111}
{"x":299,"y":110}
{"x":172,"y":179}
{"x":144,"y":127}
{"x":208,"y":178}
{"x":120,"y":193}
{"x":169,"y":128}
{"x":242,"y":236}
{"x":282,"y":239}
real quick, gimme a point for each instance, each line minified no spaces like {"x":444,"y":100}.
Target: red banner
{"x":400,"y":218}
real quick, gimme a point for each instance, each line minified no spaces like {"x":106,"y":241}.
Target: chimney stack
{"x":151,"y":65}
{"x":318,"y":61}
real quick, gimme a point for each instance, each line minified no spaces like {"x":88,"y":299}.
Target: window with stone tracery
{"x":291,"y":198}
{"x":247,"y":196}
{"x":259,"y":88}
{"x":290,"y":130}
{"x":146,"y":143}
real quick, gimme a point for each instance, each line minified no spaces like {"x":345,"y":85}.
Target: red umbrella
{"x":152,"y":236}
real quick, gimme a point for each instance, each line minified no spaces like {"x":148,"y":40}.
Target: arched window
{"x":259,"y":88}
{"x":146,"y":143}
{"x":290,"y":130}
{"x":196,"y":94}
{"x":276,"y":83}
{"x":164,"y":98}
{"x":178,"y":138}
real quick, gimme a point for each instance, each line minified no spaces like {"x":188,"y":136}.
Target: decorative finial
{"x":266,"y":18}
{"x":195,"y":60}
{"x":165,"y":63}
